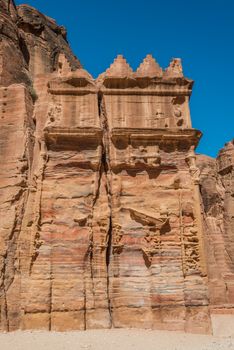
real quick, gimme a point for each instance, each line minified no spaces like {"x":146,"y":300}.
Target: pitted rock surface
{"x":108,"y":216}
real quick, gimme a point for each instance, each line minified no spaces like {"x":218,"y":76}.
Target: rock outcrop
{"x":107,"y":217}
{"x":217,"y":190}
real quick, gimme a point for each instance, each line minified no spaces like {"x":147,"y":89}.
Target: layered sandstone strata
{"x":107,"y":217}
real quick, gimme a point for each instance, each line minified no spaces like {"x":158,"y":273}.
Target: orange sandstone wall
{"x":108,"y":217}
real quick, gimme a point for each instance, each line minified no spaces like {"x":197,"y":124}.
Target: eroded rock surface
{"x":217,"y":190}
{"x":107,"y":217}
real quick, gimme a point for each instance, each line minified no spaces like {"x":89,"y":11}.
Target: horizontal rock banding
{"x":102,"y":222}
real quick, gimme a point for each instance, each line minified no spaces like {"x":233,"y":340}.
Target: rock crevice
{"x":102,"y":222}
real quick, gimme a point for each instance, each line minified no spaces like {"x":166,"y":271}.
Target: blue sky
{"x":201,"y":32}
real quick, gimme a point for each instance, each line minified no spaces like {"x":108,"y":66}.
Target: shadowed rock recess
{"x":108,"y":218}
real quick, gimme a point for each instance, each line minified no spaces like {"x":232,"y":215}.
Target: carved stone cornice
{"x":191,"y":136}
{"x":75,"y":83}
{"x":150,"y":88}
{"x":74,"y":135}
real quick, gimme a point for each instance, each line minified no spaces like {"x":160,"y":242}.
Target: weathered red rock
{"x":218,"y":207}
{"x":107,"y":217}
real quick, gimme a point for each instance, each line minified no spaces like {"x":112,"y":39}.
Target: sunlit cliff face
{"x":108,"y":216}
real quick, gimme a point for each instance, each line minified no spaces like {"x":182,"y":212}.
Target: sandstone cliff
{"x":217,"y":190}
{"x":107,"y":218}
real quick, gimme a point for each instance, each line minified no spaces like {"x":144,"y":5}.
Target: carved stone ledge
{"x":78,"y":133}
{"x":118,"y":165}
{"x":69,"y":138}
{"x":143,"y":148}
{"x":165,"y":89}
{"x":148,"y":218}
{"x":72,"y":91}
{"x":76,"y":83}
{"x":192,"y":136}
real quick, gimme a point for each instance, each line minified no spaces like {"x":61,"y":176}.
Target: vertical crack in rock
{"x":109,"y":235}
{"x":106,"y":169}
{"x":108,"y":256}
{"x":37,"y":221}
{"x":89,"y":256}
{"x":144,"y":121}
